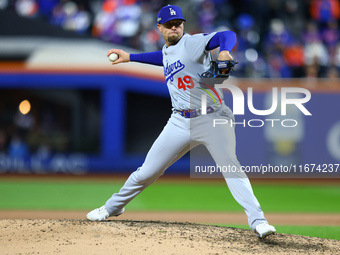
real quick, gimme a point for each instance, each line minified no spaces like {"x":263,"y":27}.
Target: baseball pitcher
{"x":187,"y":62}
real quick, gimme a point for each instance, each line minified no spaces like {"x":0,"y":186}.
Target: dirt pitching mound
{"x":147,"y":237}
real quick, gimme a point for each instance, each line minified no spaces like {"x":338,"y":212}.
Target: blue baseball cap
{"x":168,"y":13}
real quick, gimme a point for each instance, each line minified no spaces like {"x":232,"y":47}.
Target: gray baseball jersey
{"x":183,"y":63}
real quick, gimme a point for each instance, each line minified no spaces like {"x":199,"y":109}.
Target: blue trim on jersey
{"x":226,"y":40}
{"x":153,"y":58}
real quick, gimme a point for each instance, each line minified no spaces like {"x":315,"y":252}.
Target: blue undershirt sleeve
{"x":226,"y":40}
{"x":153,"y":58}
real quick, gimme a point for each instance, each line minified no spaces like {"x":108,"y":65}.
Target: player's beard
{"x":173,"y":39}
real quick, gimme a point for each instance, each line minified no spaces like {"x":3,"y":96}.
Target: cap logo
{"x":172,"y":12}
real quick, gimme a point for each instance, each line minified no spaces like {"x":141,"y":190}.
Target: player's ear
{"x":159,"y":27}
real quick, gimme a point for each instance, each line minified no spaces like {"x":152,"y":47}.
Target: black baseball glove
{"x":219,"y":70}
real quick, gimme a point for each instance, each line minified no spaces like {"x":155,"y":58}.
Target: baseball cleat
{"x":101,"y":214}
{"x":263,"y":230}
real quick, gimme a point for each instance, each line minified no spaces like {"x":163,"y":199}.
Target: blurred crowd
{"x":276,"y":38}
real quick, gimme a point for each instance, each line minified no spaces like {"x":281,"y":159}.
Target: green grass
{"x":217,"y":197}
{"x":328,"y":232}
{"x":54,"y":195}
{"x":84,"y":195}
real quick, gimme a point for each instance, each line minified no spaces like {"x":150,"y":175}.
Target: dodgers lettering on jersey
{"x":173,"y":68}
{"x":182,"y":65}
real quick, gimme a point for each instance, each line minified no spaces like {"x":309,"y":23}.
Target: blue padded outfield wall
{"x":316,"y":139}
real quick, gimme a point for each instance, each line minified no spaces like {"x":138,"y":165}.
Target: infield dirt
{"x":47,"y":236}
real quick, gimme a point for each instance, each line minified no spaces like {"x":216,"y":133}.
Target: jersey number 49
{"x":185,"y":83}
